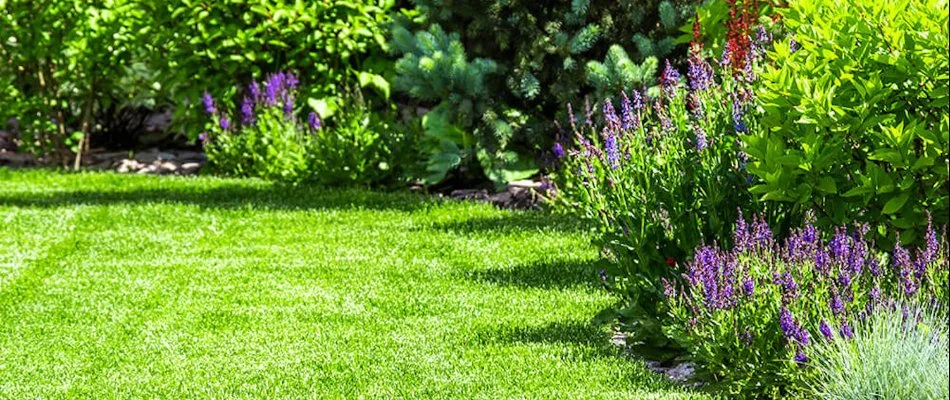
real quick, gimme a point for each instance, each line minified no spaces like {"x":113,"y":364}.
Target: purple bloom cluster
{"x":700,"y":73}
{"x":669,"y":80}
{"x":819,"y":283}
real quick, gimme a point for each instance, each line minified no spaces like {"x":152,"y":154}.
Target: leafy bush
{"x":61,"y":64}
{"x":857,"y":116}
{"x":526,"y":59}
{"x":893,"y":355}
{"x":750,"y":314}
{"x":332,"y":45}
{"x":264,"y":138}
{"x":660,"y":178}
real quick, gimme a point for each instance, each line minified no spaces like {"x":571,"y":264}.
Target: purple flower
{"x":740,"y":236}
{"x":747,"y":337}
{"x":613,"y":150}
{"x":290,"y":80}
{"x":637,"y":100}
{"x":665,"y":122}
{"x":800,"y":357}
{"x":272,"y":87}
{"x":610,"y":115}
{"x":792,"y":45}
{"x":825,"y":330}
{"x":787,"y":323}
{"x":846,"y":330}
{"x":700,"y":139}
{"x":225,"y":123}
{"x":876,"y":293}
{"x":247,"y":111}
{"x":803,"y":336}
{"x":255,"y":90}
{"x":748,"y":285}
{"x":933,"y":246}
{"x":835,"y":303}
{"x":603,"y":275}
{"x":313,"y":120}
{"x":669,"y":79}
{"x":762,"y":234}
{"x":203,"y":137}
{"x":822,"y":261}
{"x":668,"y":289}
{"x":699,"y":73}
{"x":558,"y":149}
{"x":208,"y":103}
{"x":626,"y":109}
{"x":288,"y":106}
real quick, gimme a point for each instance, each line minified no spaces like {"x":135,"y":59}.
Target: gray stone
{"x":189,"y":168}
{"x":128,"y":166}
{"x":149,"y":157}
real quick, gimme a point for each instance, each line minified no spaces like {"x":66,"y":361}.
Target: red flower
{"x":670,"y":261}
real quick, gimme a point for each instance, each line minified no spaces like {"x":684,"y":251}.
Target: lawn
{"x":132,"y":286}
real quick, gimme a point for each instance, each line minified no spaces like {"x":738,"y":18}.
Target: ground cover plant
{"x":751,"y":314}
{"x":898,"y":353}
{"x":118,"y":286}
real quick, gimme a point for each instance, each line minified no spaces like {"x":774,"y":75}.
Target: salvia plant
{"x":750,"y":314}
{"x":263,"y":137}
{"x":660,"y":173}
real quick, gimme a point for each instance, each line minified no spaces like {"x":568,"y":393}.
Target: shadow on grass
{"x":224,"y":196}
{"x":593,"y":337}
{"x":512,"y":223}
{"x":546,"y":275}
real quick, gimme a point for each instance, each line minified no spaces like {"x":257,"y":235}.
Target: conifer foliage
{"x":497,"y":72}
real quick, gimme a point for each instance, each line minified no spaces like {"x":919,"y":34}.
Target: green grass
{"x":131,"y":286}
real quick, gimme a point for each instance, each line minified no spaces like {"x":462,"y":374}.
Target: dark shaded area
{"x":575,"y":333}
{"x":546,"y":275}
{"x":511,"y":223}
{"x":225,"y":196}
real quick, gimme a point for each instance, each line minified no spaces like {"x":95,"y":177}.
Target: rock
{"x":524,"y":184}
{"x":167,"y":167}
{"x":681,"y":373}
{"x":189,"y":168}
{"x":148,"y":169}
{"x":129,"y":165}
{"x":190,"y":156}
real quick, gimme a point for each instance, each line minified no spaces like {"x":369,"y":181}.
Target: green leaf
{"x":895,"y":203}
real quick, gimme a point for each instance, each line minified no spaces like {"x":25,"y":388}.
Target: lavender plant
{"x":750,"y":314}
{"x":264,"y":138}
{"x":660,"y":175}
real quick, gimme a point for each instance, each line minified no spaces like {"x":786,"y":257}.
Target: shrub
{"x":893,"y":356}
{"x":332,"y":45}
{"x":660,"y":178}
{"x":262,"y":137}
{"x":61,"y":63}
{"x":527,"y":59}
{"x":750,"y":314}
{"x":856,"y":105}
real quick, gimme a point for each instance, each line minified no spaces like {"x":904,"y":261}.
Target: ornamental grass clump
{"x":660,"y":175}
{"x":751,"y":314}
{"x":899,"y":353}
{"x":264,"y":138}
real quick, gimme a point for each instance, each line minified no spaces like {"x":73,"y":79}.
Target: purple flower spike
{"x":637,"y":100}
{"x":313,"y":120}
{"x":803,"y":337}
{"x":255,"y":91}
{"x":225,"y":123}
{"x":748,"y":285}
{"x":626,"y":111}
{"x":826,"y":330}
{"x":613,"y":150}
{"x":558,"y":150}
{"x":846,"y":330}
{"x":610,"y":115}
{"x":835,"y":303}
{"x":787,"y":323}
{"x":247,"y":111}
{"x":203,"y":137}
{"x":700,"y":139}
{"x":800,"y":357}
{"x":208,"y":103}
{"x":669,"y":79}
